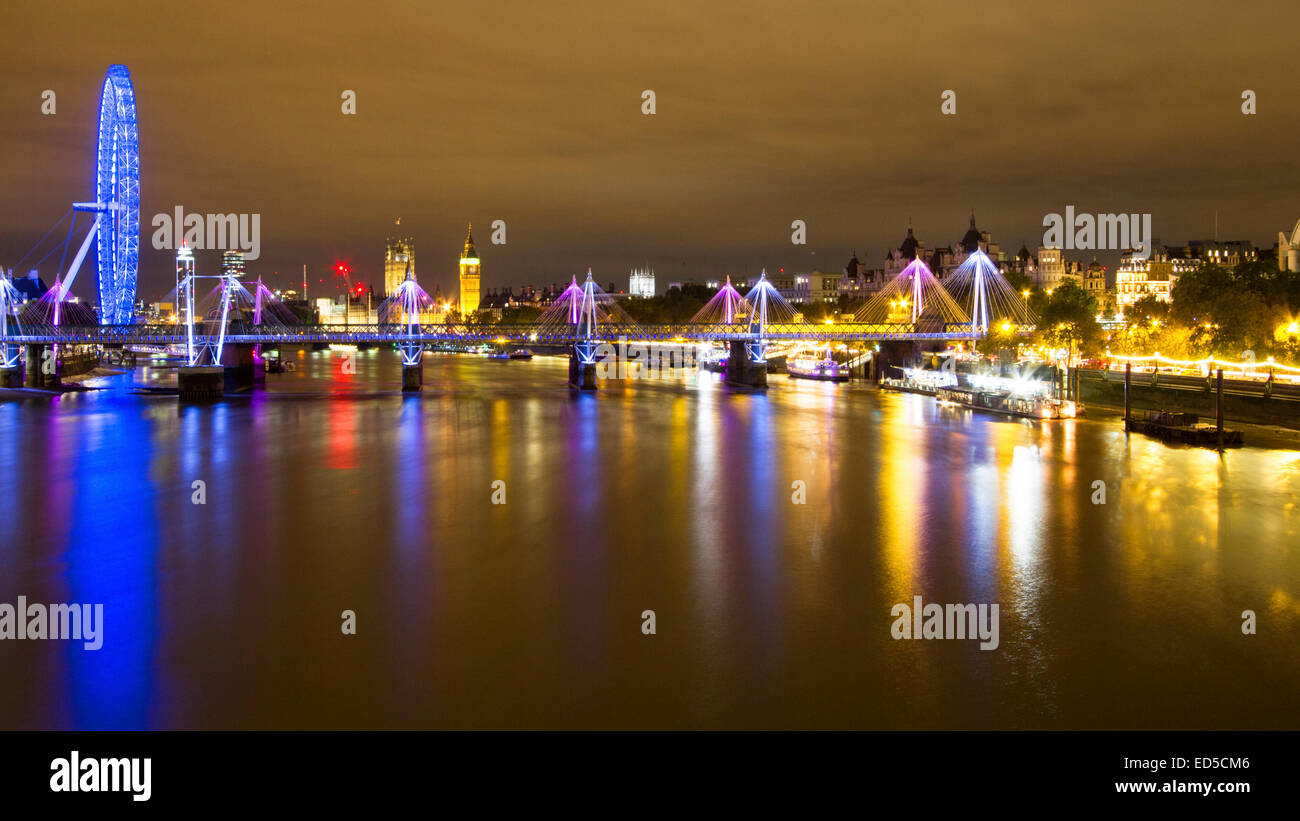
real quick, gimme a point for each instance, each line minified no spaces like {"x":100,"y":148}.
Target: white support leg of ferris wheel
{"x":76,"y":266}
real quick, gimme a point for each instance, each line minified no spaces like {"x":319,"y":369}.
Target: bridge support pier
{"x":201,"y":383}
{"x":11,"y":377}
{"x":412,"y":366}
{"x":745,"y":366}
{"x":43,"y":367}
{"x":240,"y":368}
{"x":413,"y":377}
{"x":582,"y":366}
{"x":259,"y":367}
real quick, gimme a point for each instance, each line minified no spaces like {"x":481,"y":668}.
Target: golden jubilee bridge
{"x":227,"y":328}
{"x":453,"y":332}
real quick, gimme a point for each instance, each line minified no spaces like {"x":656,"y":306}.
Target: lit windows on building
{"x":1139,"y":278}
{"x":398,"y":253}
{"x":232,"y":263}
{"x":808,"y":289}
{"x":797,"y":290}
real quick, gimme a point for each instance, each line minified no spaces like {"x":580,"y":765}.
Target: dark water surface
{"x":333,"y":492}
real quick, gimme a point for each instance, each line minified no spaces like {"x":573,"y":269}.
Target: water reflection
{"x":325,"y":494}
{"x":111,"y":560}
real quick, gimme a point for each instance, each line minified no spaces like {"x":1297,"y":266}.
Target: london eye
{"x":117,"y":194}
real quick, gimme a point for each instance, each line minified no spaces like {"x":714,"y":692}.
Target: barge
{"x":1183,"y":428}
{"x":1010,"y":404}
{"x":808,"y":367}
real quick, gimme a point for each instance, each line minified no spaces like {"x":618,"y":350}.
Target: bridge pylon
{"x":11,"y":356}
{"x":405,"y":305}
{"x":582,"y":362}
{"x":747,"y":359}
{"x":203,"y":377}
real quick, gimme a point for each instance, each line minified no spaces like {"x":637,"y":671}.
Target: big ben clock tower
{"x":469,"y":276}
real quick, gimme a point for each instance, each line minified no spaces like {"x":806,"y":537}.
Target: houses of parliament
{"x":399,"y":256}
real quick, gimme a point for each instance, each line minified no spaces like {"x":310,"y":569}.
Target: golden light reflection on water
{"x":501,"y":445}
{"x":902,"y":468}
{"x":677,"y":497}
{"x":1023,"y":505}
{"x":708,"y":464}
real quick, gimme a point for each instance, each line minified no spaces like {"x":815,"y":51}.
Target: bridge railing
{"x":240,"y":332}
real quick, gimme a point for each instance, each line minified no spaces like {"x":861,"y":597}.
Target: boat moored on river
{"x":1009,"y":403}
{"x":811,"y":367}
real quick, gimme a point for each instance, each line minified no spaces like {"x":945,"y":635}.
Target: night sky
{"x":766,"y":112}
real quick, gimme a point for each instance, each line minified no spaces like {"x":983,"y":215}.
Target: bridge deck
{"x":523,"y":334}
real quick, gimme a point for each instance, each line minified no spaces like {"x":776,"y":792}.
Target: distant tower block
{"x":232,"y":263}
{"x":397,"y":254}
{"x":469,"y":275}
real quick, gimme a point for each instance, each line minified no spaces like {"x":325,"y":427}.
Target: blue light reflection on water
{"x":763,"y":549}
{"x":111,"y":561}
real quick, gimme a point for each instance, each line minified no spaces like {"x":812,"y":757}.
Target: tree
{"x":846,"y":305}
{"x":676,"y":305}
{"x":1228,"y":311}
{"x":1000,"y":337}
{"x":1278,"y":289}
{"x":1194,"y":296}
{"x":1148,"y":312}
{"x":480,"y":318}
{"x":1239,"y":321}
{"x":1286,"y":339}
{"x":1069,"y":320}
{"x":307,"y":314}
{"x":815,"y":312}
{"x":1036,"y":300}
{"x":520,"y":314}
{"x":1017,"y":280}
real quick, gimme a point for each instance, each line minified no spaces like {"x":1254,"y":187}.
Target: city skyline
{"x":707,"y":185}
{"x":326,"y":281}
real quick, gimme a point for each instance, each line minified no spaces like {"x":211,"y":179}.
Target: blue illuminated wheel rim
{"x":117,"y":185}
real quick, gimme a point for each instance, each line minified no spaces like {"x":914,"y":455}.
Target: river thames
{"x":331,"y":491}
